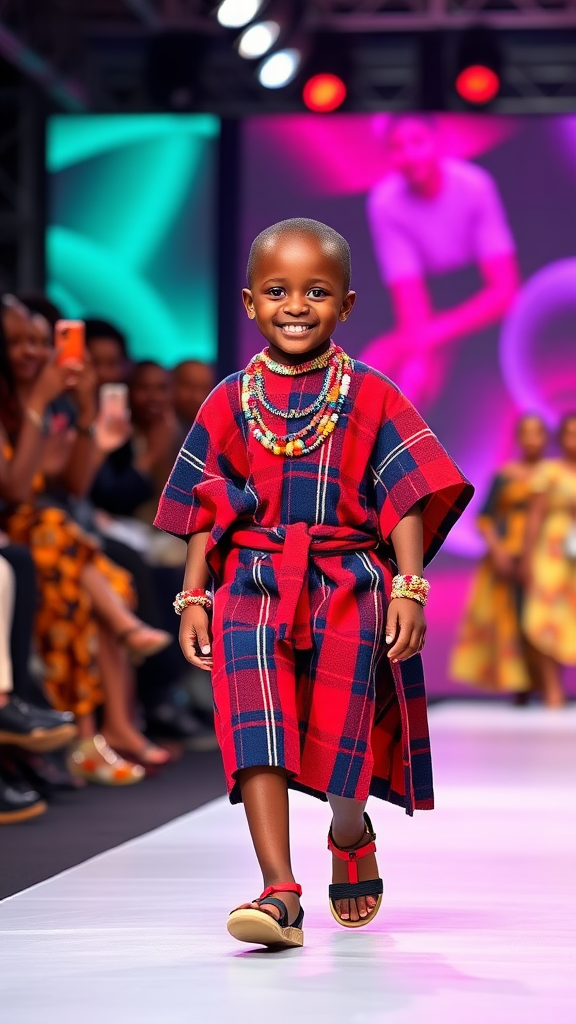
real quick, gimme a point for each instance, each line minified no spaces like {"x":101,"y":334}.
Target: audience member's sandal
{"x":148,"y":754}
{"x":95,"y":761}
{"x":353,"y":889}
{"x":142,"y":641}
{"x":247,"y":924}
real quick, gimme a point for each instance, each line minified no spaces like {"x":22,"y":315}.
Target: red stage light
{"x":478,"y":84}
{"x":323,"y":93}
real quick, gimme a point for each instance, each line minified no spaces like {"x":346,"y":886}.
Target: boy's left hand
{"x":405,"y":628}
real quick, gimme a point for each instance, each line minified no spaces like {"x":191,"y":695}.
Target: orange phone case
{"x":69,"y":341}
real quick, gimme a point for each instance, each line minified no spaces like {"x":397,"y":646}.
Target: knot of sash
{"x":298,"y":543}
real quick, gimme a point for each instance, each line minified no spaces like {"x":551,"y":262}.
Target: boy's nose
{"x":296,"y":307}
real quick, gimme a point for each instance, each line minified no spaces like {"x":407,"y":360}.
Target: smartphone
{"x":114,"y":402}
{"x":69,"y":341}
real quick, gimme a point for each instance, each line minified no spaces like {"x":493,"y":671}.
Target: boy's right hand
{"x":194,"y":637}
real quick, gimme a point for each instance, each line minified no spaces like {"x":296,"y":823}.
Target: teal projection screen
{"x":131,"y":233}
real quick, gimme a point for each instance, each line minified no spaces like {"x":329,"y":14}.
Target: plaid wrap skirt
{"x":298,"y":649}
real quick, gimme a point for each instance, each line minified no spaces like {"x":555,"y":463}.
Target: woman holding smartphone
{"x":85,"y":628}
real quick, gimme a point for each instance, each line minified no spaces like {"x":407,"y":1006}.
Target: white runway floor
{"x":478,"y":924}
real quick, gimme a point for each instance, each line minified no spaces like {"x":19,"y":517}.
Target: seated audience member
{"x":25,"y":601}
{"x":193,"y":382}
{"x":124,"y":482}
{"x":134,"y":474}
{"x":130,"y":481}
{"x":85,"y":627}
{"x":108,"y":352}
{"x":33,"y":731}
{"x":154,"y":423}
{"x":22,"y":724}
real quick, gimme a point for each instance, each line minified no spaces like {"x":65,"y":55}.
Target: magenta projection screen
{"x":463,"y":237}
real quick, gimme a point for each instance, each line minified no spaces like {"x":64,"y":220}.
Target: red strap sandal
{"x":259,"y":926}
{"x":353,"y":888}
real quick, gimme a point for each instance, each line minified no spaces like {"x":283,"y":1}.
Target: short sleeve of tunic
{"x":205,"y":491}
{"x":410,"y":466}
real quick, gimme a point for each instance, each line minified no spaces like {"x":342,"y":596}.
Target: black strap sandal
{"x":352,"y":889}
{"x":259,"y":926}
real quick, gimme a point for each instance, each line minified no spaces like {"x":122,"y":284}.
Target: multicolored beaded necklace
{"x":325,"y":409}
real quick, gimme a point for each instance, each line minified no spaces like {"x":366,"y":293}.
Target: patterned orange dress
{"x":64,"y":626}
{"x":489,"y":652}
{"x":549,"y":617}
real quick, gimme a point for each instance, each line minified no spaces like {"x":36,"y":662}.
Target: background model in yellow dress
{"x":549,"y":618}
{"x":491,"y":652}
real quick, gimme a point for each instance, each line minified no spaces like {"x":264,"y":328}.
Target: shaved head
{"x":330,"y":240}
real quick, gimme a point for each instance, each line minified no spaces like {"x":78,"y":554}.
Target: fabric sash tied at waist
{"x":297,"y":544}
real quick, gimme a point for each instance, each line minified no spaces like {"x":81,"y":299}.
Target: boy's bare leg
{"x":265,"y":796}
{"x":348,"y":832}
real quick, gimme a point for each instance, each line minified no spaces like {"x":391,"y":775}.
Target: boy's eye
{"x":276,"y":292}
{"x":317,"y":293}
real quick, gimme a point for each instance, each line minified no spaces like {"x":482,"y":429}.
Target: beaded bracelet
{"x":414,"y":587}
{"x":187,"y":597}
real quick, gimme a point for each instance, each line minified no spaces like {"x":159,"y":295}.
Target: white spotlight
{"x":236,"y":13}
{"x":279,"y":69}
{"x":257,"y":40}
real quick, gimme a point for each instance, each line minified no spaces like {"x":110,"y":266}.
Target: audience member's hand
{"x":82,"y":383}
{"x":50,"y":383}
{"x":111,"y":432}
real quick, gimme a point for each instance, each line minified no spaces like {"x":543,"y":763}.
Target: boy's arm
{"x":405,"y":622}
{"x":194,"y":633}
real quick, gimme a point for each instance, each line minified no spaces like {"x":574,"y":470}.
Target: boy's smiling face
{"x":297,"y":296}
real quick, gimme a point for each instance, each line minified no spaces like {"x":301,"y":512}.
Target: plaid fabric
{"x":299,"y":550}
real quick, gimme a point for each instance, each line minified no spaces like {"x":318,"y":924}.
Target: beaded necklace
{"x":318,"y":363}
{"x":291,"y":414}
{"x":326,"y":408}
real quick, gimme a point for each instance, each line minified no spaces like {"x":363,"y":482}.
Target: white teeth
{"x":295,"y":328}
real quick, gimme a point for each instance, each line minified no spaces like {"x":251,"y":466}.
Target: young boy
{"x":308,"y":483}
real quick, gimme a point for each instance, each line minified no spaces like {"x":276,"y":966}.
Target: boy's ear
{"x":248,"y":302}
{"x":346,"y":307}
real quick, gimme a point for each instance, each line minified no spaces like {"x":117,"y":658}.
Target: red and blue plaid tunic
{"x":302,"y":563}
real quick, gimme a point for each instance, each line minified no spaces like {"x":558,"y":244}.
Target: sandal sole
{"x":362,"y":922}
{"x":41,"y":741}
{"x":99,"y":780}
{"x":25,"y":814}
{"x":257,"y":928}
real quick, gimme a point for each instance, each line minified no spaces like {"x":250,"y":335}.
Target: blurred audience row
{"x":519,"y":629}
{"x":89,"y":670}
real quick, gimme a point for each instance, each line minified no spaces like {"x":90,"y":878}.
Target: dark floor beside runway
{"x":83,"y":823}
